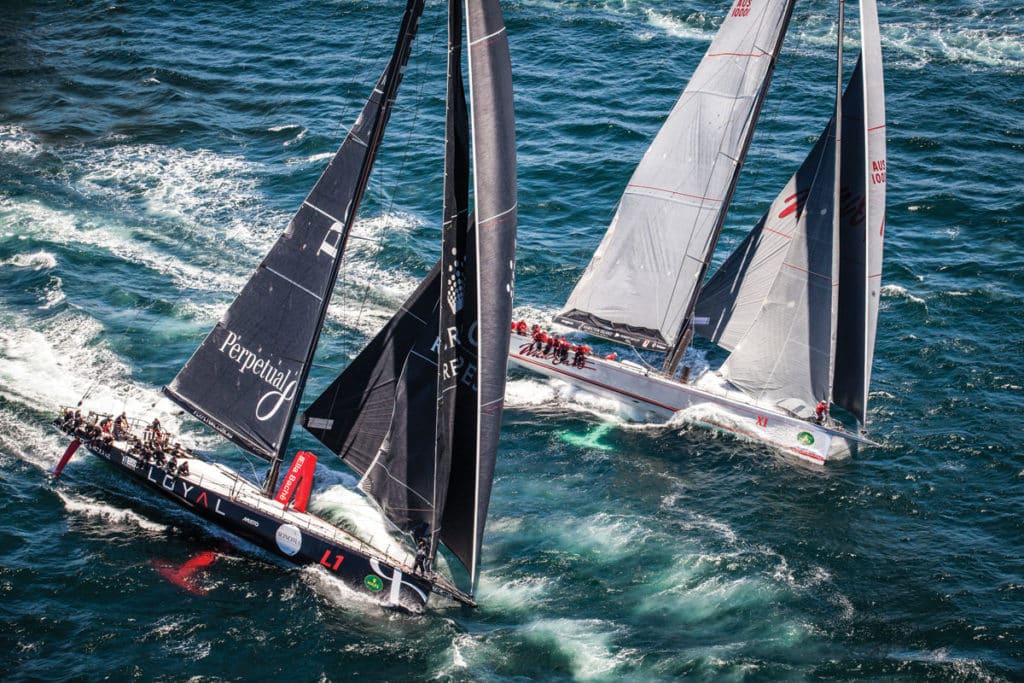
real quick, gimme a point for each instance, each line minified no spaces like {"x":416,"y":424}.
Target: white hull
{"x":649,"y":397}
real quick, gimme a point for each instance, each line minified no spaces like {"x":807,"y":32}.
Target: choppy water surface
{"x":149,"y":155}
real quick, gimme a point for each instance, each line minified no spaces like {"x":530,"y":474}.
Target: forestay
{"x":644,"y":276}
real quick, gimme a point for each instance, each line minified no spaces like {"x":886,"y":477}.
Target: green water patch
{"x":591,"y":439}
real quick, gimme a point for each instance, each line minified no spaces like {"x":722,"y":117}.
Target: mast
{"x":674,"y":356}
{"x":838,"y":165}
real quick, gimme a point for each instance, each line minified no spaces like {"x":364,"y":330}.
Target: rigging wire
{"x":387,"y":199}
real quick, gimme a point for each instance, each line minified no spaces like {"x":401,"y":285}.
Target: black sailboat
{"x":437,"y":368}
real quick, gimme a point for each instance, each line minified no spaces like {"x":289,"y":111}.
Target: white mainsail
{"x":777,"y":302}
{"x":863,"y":228}
{"x":647,"y":271}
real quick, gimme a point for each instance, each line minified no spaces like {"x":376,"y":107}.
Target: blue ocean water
{"x":151,"y":153}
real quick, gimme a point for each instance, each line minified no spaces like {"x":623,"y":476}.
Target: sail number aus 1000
{"x":742,"y":8}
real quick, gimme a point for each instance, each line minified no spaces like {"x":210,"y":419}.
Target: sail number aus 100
{"x":742,"y":8}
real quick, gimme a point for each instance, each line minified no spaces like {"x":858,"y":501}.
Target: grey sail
{"x":246,"y":378}
{"x":862,"y":227}
{"x":773,"y":302}
{"x":641,"y":284}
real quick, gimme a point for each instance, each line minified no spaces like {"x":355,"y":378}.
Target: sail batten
{"x":641,"y":284}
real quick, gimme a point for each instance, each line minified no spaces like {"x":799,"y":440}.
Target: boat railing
{"x":240,"y":492}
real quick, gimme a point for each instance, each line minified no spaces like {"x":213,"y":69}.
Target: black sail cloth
{"x":402,"y":459}
{"x":246,"y":378}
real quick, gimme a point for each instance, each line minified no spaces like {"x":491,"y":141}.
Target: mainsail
{"x":641,"y":285}
{"x":246,"y":378}
{"x":862,"y":230}
{"x":794,"y":283}
{"x":430,"y":464}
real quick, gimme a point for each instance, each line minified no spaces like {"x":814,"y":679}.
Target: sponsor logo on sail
{"x":289,"y":539}
{"x":374,"y":583}
{"x":456,"y":289}
{"x":806,"y":438}
{"x":283,"y":386}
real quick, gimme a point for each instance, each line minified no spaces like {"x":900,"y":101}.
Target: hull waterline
{"x":219,"y":495}
{"x":646,"y":396}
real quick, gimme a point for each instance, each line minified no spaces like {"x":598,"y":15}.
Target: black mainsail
{"x":441,"y":361}
{"x":246,"y":378}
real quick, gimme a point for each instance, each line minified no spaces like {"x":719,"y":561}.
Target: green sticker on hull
{"x":374,"y":583}
{"x":806,"y":438}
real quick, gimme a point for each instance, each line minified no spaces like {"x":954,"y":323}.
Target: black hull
{"x":386,"y":583}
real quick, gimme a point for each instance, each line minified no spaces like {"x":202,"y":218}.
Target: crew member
{"x":106,"y":430}
{"x":821,"y":411}
{"x":422,"y":550}
{"x":121,"y":426}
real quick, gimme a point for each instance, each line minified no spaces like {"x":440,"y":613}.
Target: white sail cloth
{"x":797,"y":301}
{"x":647,"y":270}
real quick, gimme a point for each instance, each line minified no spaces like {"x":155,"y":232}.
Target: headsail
{"x":353,"y":415}
{"x":644,"y":277}
{"x":773,"y":303}
{"x":246,"y":378}
{"x":761,"y":303}
{"x":863,"y":223}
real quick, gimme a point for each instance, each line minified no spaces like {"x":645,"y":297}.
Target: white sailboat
{"x":796,"y":303}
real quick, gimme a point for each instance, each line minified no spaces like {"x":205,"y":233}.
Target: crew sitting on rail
{"x":539,"y":338}
{"x":121,"y":427}
{"x":107,"y":431}
{"x":88,"y":429}
{"x":155,"y":434}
